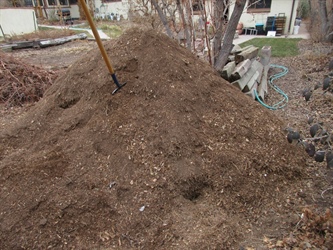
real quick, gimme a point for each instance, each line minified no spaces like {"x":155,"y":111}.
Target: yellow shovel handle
{"x":97,"y":37}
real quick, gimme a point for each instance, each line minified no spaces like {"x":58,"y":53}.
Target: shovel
{"x":101,"y":47}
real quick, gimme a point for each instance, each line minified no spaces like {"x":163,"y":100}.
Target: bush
{"x":304,"y":9}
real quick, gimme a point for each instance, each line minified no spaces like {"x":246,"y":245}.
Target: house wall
{"x":18,"y":21}
{"x":120,"y":8}
{"x":277,"y":7}
{"x":75,"y":11}
{"x":52,"y":12}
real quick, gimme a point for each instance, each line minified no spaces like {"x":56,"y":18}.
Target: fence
{"x":17,"y":21}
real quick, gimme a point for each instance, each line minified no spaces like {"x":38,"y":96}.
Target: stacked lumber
{"x":246,"y":72}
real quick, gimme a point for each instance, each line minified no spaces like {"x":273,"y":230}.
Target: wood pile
{"x":246,"y":72}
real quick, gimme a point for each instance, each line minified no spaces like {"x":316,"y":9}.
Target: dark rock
{"x":310,"y":149}
{"x":319,"y":156}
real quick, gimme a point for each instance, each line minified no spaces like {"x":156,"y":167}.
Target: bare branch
{"x":322,"y":193}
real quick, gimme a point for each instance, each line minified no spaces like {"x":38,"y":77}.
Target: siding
{"x":278,"y":6}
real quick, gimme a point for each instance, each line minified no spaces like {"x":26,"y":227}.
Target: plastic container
{"x":298,"y":21}
{"x":239,"y":28}
{"x":260,"y":28}
{"x":296,"y":30}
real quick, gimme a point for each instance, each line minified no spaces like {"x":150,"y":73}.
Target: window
{"x":259,"y":5}
{"x":73,"y":1}
{"x":36,"y":2}
{"x":55,"y":2}
{"x":197,"y":6}
{"x":28,"y":3}
{"x":63,"y":2}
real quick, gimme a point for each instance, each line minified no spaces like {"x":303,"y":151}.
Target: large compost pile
{"x":177,"y":159}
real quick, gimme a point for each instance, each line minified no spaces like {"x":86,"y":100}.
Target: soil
{"x":56,"y":57}
{"x":176,"y":159}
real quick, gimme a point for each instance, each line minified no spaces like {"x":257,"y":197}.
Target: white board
{"x":271,"y":33}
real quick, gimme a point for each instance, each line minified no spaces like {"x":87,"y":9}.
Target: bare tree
{"x":91,"y":7}
{"x":219,"y":19}
{"x":321,"y":21}
{"x":223,"y":54}
{"x":326,"y":21}
{"x":202,"y":7}
{"x":162,"y":17}
{"x":185,"y":25}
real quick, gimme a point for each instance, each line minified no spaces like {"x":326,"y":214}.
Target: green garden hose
{"x":283,"y":102}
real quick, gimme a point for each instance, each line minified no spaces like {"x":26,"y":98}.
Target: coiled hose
{"x":283,"y":102}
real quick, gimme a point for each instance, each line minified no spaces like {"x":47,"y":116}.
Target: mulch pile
{"x":21,"y":82}
{"x":177,"y":159}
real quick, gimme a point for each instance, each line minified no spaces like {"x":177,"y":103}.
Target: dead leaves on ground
{"x":313,"y":230}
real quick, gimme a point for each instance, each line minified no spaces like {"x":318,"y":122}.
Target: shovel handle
{"x":97,"y":37}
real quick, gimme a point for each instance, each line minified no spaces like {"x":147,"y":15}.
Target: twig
{"x":3,"y":65}
{"x":322,"y":193}
{"x":299,"y":221}
{"x":315,"y":138}
{"x":21,"y":82}
{"x":130,"y":239}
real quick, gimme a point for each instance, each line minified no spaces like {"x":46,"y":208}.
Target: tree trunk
{"x":202,"y":4}
{"x":222,"y":57}
{"x":218,"y":24}
{"x":329,"y":36}
{"x":249,"y":53}
{"x":44,"y":8}
{"x":91,"y":7}
{"x":189,"y":17}
{"x":326,"y":21}
{"x":323,"y":16}
{"x":186,"y":30}
{"x":163,"y":18}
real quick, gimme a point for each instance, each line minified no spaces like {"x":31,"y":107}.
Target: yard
{"x":177,"y":159}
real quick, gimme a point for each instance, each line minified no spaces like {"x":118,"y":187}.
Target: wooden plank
{"x":22,"y":45}
{"x":242,"y":82}
{"x":247,"y":54}
{"x":231,"y":58}
{"x":251,"y":92}
{"x":239,"y":50}
{"x":36,"y":44}
{"x":227,"y":70}
{"x":235,"y":48}
{"x":262,"y":88}
{"x":6,"y":47}
{"x":266,"y":52}
{"x":42,"y":43}
{"x":251,"y":82}
{"x":264,"y":79}
{"x":62,"y":40}
{"x":240,"y":70}
{"x":261,"y":93}
{"x":260,"y":69}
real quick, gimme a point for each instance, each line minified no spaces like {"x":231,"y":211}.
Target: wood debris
{"x":21,"y":82}
{"x":246,"y":72}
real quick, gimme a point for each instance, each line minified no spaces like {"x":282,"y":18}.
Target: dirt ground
{"x":177,"y":159}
